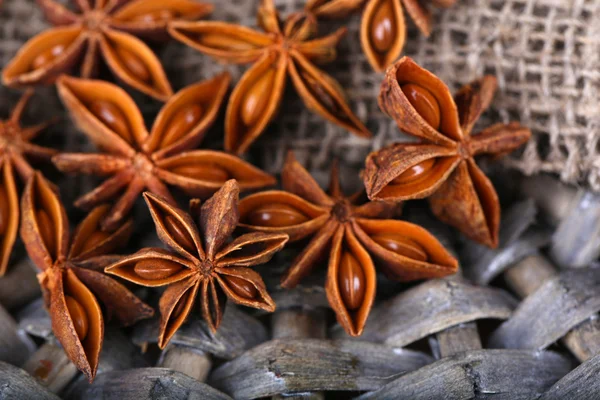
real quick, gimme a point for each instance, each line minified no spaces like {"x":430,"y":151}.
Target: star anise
{"x":102,"y":28}
{"x":350,"y":235}
{"x":15,"y":150}
{"x":280,"y":51}
{"x":137,"y":160}
{"x":69,"y":277}
{"x":203,"y":260}
{"x":382,"y":28}
{"x":443,"y":166}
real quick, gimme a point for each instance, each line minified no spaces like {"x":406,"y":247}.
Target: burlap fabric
{"x":545,"y":54}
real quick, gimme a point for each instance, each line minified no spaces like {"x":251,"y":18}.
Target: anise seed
{"x":78,"y":316}
{"x":133,"y":64}
{"x":181,"y":236}
{"x":4,"y":210}
{"x":93,"y":240}
{"x":351,"y":280}
{"x":414,"y":173}
{"x":44,"y":224}
{"x":204,"y":172}
{"x":255,"y":100}
{"x":383,"y":27}
{"x":112,"y":117}
{"x":181,"y":123}
{"x":155,"y":16}
{"x":402,"y":245}
{"x":47,"y":56}
{"x":241,"y":287}
{"x":424,"y":102}
{"x":276,"y":215}
{"x":217,"y":41}
{"x":156,"y":269}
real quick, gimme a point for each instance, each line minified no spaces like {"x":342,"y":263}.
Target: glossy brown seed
{"x":383,"y":26}
{"x":181,"y":123}
{"x":241,"y":287}
{"x":256,"y":98}
{"x":402,"y":245}
{"x":4,"y":210}
{"x":179,"y":234}
{"x":204,"y":172}
{"x":351,"y":280}
{"x":47,"y":56}
{"x":276,"y":215}
{"x":112,"y":117}
{"x":424,"y":102}
{"x":217,"y":41}
{"x":44,"y":224}
{"x":155,"y":16}
{"x":78,"y":316}
{"x":156,"y":269}
{"x":317,"y":90}
{"x":133,"y":64}
{"x":94,"y":240}
{"x":414,"y":173}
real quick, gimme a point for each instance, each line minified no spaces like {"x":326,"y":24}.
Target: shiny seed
{"x":351,"y":280}
{"x":241,"y":287}
{"x":204,"y":172}
{"x":133,"y":64}
{"x":4,"y":210}
{"x":256,"y":98}
{"x":155,"y":16}
{"x":179,"y":234}
{"x":112,"y":117}
{"x":276,"y":215}
{"x":317,"y":90}
{"x":94,"y":240}
{"x":180,"y":306}
{"x":402,"y":245}
{"x":424,"y":102}
{"x":47,"y":56}
{"x":383,"y":26}
{"x":78,"y":316}
{"x":157,"y":269}
{"x":44,"y":224}
{"x":414,"y":173}
{"x":217,"y":41}
{"x":181,"y":123}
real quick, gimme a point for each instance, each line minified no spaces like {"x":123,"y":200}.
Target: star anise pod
{"x":203,"y":261}
{"x":69,"y":277}
{"x":443,"y":165}
{"x":137,"y":160}
{"x":15,"y":151}
{"x":350,"y":235}
{"x":279,"y":51}
{"x":382,"y":28}
{"x":104,"y":29}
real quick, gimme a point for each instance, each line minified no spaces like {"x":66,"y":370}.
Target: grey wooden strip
{"x":51,"y":367}
{"x":238,"y":332}
{"x":301,"y":365}
{"x":526,"y":276}
{"x":15,"y":347}
{"x":18,"y":384}
{"x":581,"y":384}
{"x":478,"y":374}
{"x":187,"y":360}
{"x":298,"y":324}
{"x":147,"y":383}
{"x":584,"y":339}
{"x":19,"y":286}
{"x":458,"y":339}
{"x":556,"y":307}
{"x":430,"y":308}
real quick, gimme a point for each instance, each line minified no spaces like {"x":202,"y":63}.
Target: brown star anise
{"x":348,"y":234}
{"x":278,"y":52}
{"x":203,"y":261}
{"x":103,"y":28}
{"x":15,"y":150}
{"x":69,"y":277}
{"x":137,"y":160}
{"x":382,"y":28}
{"x":442,"y":167}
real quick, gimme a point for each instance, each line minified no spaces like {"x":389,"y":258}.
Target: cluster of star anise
{"x":211,"y":248}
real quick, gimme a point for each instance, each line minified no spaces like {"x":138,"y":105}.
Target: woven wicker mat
{"x":545,"y":54}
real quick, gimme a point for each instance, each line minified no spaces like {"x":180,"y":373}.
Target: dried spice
{"x":15,"y":152}
{"x":203,"y":261}
{"x":136,"y":160}
{"x":70,"y":278}
{"x":351,"y":236}
{"x":104,"y":29}
{"x":279,"y":51}
{"x":382,"y":28}
{"x":443,"y":165}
